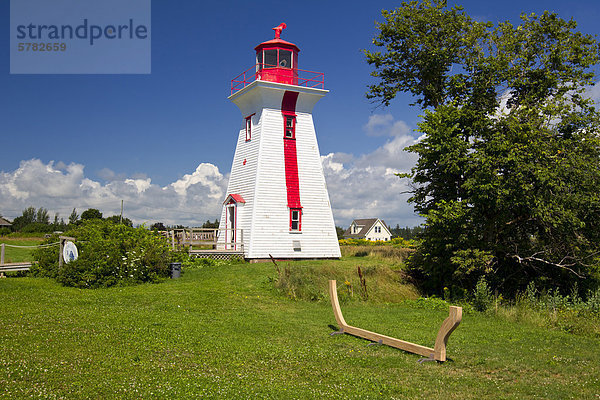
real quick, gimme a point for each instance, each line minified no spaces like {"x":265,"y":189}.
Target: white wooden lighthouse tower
{"x":277,"y":202}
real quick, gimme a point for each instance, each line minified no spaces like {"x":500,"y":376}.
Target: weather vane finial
{"x":278,"y":30}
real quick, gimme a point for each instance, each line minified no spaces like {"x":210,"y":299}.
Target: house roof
{"x":4,"y":222}
{"x":366,"y":223}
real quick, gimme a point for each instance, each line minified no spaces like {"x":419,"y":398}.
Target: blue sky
{"x":164,"y":142}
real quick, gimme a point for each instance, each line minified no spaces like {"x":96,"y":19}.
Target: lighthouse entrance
{"x":231,"y":224}
{"x":233,"y":238}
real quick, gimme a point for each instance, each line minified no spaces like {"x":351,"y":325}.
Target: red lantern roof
{"x":277,"y":43}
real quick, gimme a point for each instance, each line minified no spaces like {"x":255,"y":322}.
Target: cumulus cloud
{"x":385,"y":125}
{"x":593,"y":92}
{"x":58,"y":187}
{"x":360,"y":186}
{"x":366,"y":186}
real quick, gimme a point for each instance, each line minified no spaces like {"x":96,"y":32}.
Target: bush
{"x":109,"y":254}
{"x":37,"y":227}
{"x":47,"y":259}
{"x":482,"y":296}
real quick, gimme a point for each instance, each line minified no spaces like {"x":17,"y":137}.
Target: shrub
{"x":109,"y":254}
{"x":47,"y":259}
{"x":482,"y":296}
{"x":37,"y":227}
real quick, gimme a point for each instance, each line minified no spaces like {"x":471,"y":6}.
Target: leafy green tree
{"x":27,"y":217}
{"x":117,"y":219}
{"x":211,"y":225}
{"x":91,"y":213}
{"x":42,"y":216}
{"x":509,"y":167}
{"x":73,"y":217}
{"x":158,"y":226}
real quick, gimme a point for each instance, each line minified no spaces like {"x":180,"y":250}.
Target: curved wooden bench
{"x":438,"y":353}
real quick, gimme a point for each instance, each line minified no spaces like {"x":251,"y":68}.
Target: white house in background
{"x":370,"y":229}
{"x":277,"y":202}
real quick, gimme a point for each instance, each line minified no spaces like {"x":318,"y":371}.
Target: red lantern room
{"x":277,"y":60}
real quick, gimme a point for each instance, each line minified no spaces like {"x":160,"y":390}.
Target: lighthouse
{"x":277,"y":202}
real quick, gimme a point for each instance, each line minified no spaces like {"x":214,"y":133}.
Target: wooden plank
{"x":448,"y":326}
{"x":216,"y":251}
{"x":437,"y":353}
{"x":10,"y":267}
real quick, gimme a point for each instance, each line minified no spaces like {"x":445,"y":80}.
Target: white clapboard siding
{"x":383,"y":235}
{"x":262,"y":182}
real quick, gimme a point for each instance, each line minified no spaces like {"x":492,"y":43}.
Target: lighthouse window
{"x":259,"y":60}
{"x":248,"y":128}
{"x":295,"y":219}
{"x":290,"y":127}
{"x":285,"y":59}
{"x":270,"y":58}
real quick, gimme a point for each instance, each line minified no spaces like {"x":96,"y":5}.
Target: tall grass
{"x":395,"y":255}
{"x":364,"y":273}
{"x":548,"y":309}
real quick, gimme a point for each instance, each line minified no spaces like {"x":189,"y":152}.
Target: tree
{"x":117,"y":219}
{"x":340,"y":232}
{"x":509,"y":168}
{"x":158,"y":226}
{"x":27,"y":217}
{"x":211,"y":225}
{"x":42,"y":216}
{"x":91,"y":213}
{"x":73,"y":217}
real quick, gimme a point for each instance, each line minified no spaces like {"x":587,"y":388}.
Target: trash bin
{"x":175,"y":270}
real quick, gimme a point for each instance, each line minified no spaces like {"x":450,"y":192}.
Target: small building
{"x":369,"y":229}
{"x":4,"y":223}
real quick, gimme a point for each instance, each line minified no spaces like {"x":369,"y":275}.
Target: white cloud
{"x":204,"y":174}
{"x":385,"y":125}
{"x":361,"y":186}
{"x":58,"y":187}
{"x":140,"y":184}
{"x":366,"y":186}
{"x":593,"y":92}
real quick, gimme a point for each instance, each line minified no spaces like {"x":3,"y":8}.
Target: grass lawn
{"x":225,"y":333}
{"x":16,"y":254}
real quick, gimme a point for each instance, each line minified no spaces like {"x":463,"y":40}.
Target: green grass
{"x":386,"y":280}
{"x":12,"y":254}
{"x":224,"y":332}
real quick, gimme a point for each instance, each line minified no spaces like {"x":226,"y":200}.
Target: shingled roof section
{"x":366,"y":223}
{"x":4,"y":222}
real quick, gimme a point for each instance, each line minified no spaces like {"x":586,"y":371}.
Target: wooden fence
{"x":206,"y":240}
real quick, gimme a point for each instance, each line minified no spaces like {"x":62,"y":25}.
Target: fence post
{"x":2,"y":254}
{"x":60,"y":251}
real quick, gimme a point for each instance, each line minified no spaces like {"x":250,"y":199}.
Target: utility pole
{"x":121,"y":219}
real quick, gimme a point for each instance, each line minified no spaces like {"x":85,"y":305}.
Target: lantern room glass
{"x":274,"y":58}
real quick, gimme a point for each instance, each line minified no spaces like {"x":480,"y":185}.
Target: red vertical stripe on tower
{"x":292,"y":183}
